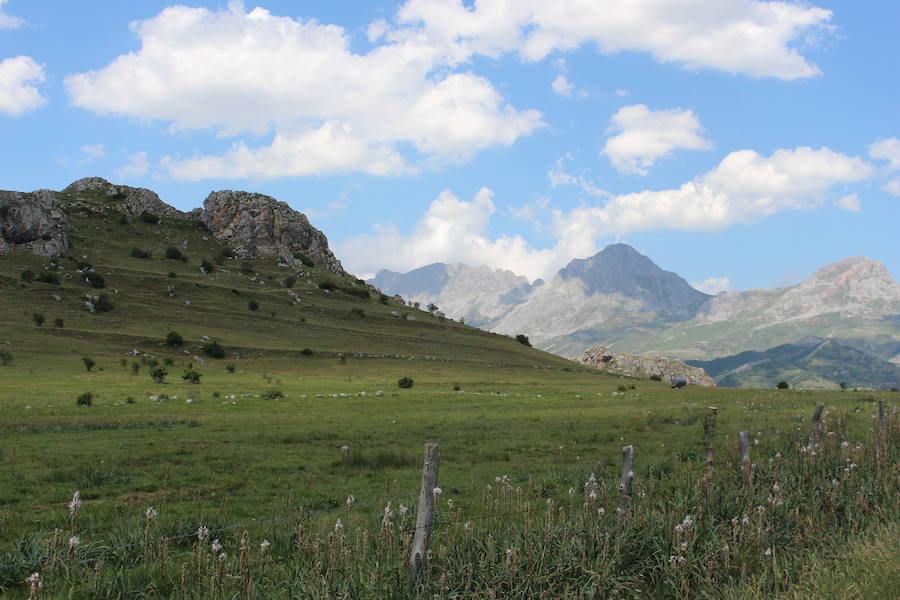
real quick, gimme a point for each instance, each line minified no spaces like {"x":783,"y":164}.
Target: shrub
{"x":358,"y":292}
{"x":357,"y":312}
{"x":405,"y":383}
{"x":272,"y":395}
{"x":38,"y":318}
{"x":88,"y":363}
{"x":85,"y":399}
{"x":135,"y":367}
{"x":172,"y":275}
{"x":149,"y":218}
{"x":307,"y":352}
{"x":307,"y":261}
{"x":655,"y":378}
{"x":206,"y":266}
{"x":174,"y":339}
{"x":103,"y":303}
{"x":432,"y":307}
{"x":383,"y":299}
{"x":169,"y":362}
{"x":27,"y":276}
{"x":843,"y":385}
{"x":95,"y":280}
{"x":253,"y":305}
{"x":158,"y":375}
{"x":191,"y":376}
{"x":174,"y":253}
{"x":139,"y":253}
{"x":246,"y":267}
{"x":230,"y":367}
{"x":129,"y":400}
{"x":235,"y":292}
{"x":58,"y":323}
{"x":289,"y":281}
{"x":327,"y":285}
{"x":213,"y":349}
{"x":523,"y":339}
{"x":5,"y":357}
{"x":783,"y":385}
{"x":47,"y":277}
{"x":621,"y":388}
{"x":223,"y":255}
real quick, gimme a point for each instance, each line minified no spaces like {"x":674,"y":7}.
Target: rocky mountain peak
{"x":260,"y":224}
{"x":129,"y":200}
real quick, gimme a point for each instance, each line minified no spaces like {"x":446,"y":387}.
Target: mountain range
{"x":621,"y":299}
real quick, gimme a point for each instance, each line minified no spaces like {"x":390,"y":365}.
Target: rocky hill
{"x":666,"y":369}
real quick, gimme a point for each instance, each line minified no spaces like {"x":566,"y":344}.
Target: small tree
{"x":213,"y":349}
{"x":230,"y":367}
{"x":5,"y":357}
{"x":140,"y":253}
{"x":174,"y":340}
{"x":253,"y":305}
{"x":85,"y":399}
{"x":405,"y":383}
{"x":27,"y":276}
{"x":191,"y":376}
{"x":135,"y":367}
{"x":103,"y":303}
{"x":206,"y":266}
{"x":95,"y":280}
{"x":173,"y":253}
{"x":843,"y":385}
{"x":289,"y":281}
{"x":58,"y":323}
{"x":158,"y":375}
{"x":783,"y":385}
{"x":38,"y":318}
{"x":88,"y":363}
{"x":523,"y":339}
{"x":431,"y":307}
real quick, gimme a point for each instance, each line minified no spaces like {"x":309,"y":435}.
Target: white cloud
{"x":18,"y":94}
{"x":743,"y":188}
{"x":621,"y":93}
{"x":138,"y":165}
{"x":889,"y":150}
{"x":562,"y":86}
{"x":737,"y":36}
{"x":559,"y":177}
{"x":713,"y":285}
{"x":332,"y":110}
{"x":647,"y":135}
{"x":9,"y":21}
{"x":892,"y":187}
{"x":94,"y":151}
{"x":850,"y":203}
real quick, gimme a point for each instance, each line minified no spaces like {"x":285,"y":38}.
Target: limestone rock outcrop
{"x":666,"y":369}
{"x":34,"y":221}
{"x":131,"y":201}
{"x":259,"y":224}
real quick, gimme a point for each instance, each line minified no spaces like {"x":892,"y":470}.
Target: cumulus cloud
{"x":645,"y":135}
{"x":743,"y":188}
{"x":850,"y":203}
{"x":18,"y":92}
{"x":751,"y":37}
{"x":559,"y":177}
{"x":713,"y":285}
{"x":9,"y":21}
{"x":889,"y":150}
{"x":94,"y":151}
{"x":137,"y":166}
{"x":332,"y":110}
{"x":562,"y":86}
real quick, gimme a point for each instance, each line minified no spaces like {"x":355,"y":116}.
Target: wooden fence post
{"x":709,"y":430}
{"x":626,"y":481}
{"x":425,"y":516}
{"x":882,"y":423}
{"x":746,"y":467}
{"x":816,"y":427}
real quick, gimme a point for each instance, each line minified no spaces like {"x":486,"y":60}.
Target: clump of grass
{"x":85,"y":399}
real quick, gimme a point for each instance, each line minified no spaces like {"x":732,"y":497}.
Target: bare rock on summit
{"x":666,"y":369}
{"x":259,"y":224}
{"x":34,"y":221}
{"x":131,"y":201}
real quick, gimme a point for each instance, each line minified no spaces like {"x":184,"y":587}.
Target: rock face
{"x":131,"y":201}
{"x":259,"y":224}
{"x":667,"y":369}
{"x":33,"y":221}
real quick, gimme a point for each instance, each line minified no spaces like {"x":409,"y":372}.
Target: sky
{"x":739,"y":143}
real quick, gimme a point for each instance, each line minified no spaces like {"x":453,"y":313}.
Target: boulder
{"x":259,"y":224}
{"x":34,"y":221}
{"x":129,"y":200}
{"x":667,"y":369}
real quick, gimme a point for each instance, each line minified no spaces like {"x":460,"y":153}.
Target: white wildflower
{"x":216,"y":546}
{"x":202,"y":532}
{"x":768,"y":552}
{"x":73,"y":542}
{"x":151,"y":513}
{"x":338,"y":525}
{"x":351,"y":499}
{"x":403,"y":510}
{"x":75,"y":504}
{"x":437,"y":492}
{"x":264,"y":547}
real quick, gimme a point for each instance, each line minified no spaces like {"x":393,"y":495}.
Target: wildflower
{"x":601,"y":511}
{"x":683,"y":546}
{"x":468,"y":526}
{"x":834,"y":482}
{"x":403,"y":510}
{"x":760,"y":509}
{"x":151,"y":513}
{"x":767,"y":553}
{"x":592,"y":494}
{"x":73,"y":542}
{"x":216,"y":546}
{"x":450,"y":503}
{"x":675,"y":561}
{"x":34,"y":581}
{"x":571,"y":492}
{"x":437,"y":491}
{"x":222,"y":557}
{"x":338,"y":526}
{"x":844,"y":444}
{"x":778,"y":455}
{"x":776,"y":488}
{"x":734,"y":521}
{"x":75,"y":504}
{"x":264,"y":547}
{"x":351,"y":499}
{"x":745,"y":520}
{"x":202,"y":532}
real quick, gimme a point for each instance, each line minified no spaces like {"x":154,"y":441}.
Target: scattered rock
{"x":129,"y":200}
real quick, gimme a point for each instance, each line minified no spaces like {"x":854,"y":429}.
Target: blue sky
{"x":738,"y":143}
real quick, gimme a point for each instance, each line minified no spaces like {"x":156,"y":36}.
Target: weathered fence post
{"x":425,"y":516}
{"x":816,"y":427}
{"x":746,"y":467}
{"x":709,"y":430}
{"x":882,"y":423}
{"x":626,"y":481}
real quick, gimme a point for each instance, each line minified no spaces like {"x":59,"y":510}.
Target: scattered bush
{"x":383,"y":299}
{"x":206,"y":266}
{"x":253,"y":305}
{"x":246,"y":267}
{"x":358,"y":292}
{"x":129,"y":400}
{"x":58,"y":323}
{"x":85,"y":399}
{"x":158,"y":375}
{"x":289,"y":281}
{"x":47,"y":277}
{"x":174,"y":339}
{"x":235,"y":292}
{"x":149,"y":218}
{"x":523,"y":339}
{"x":783,"y":385}
{"x":103,"y":303}
{"x":191,"y":376}
{"x":327,"y":286}
{"x":307,"y":261}
{"x":172,"y":275}
{"x":456,"y":387}
{"x":169,"y":362}
{"x":174,"y":253}
{"x":621,"y":388}
{"x":135,"y":367}
{"x":5,"y":357}
{"x":139,"y":253}
{"x":88,"y":363}
{"x":213,"y":349}
{"x":95,"y":280}
{"x":655,"y":378}
{"x":843,"y":385}
{"x":38,"y":318}
{"x":405,"y":383}
{"x":272,"y":395}
{"x":357,"y":312}
{"x":27,"y":276}
{"x":307,"y":352}
{"x":230,"y":367}
{"x":432,"y":307}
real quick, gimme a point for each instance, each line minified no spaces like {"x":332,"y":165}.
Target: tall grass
{"x":556,"y":536}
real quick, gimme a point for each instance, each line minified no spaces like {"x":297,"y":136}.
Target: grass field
{"x":257,"y":445}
